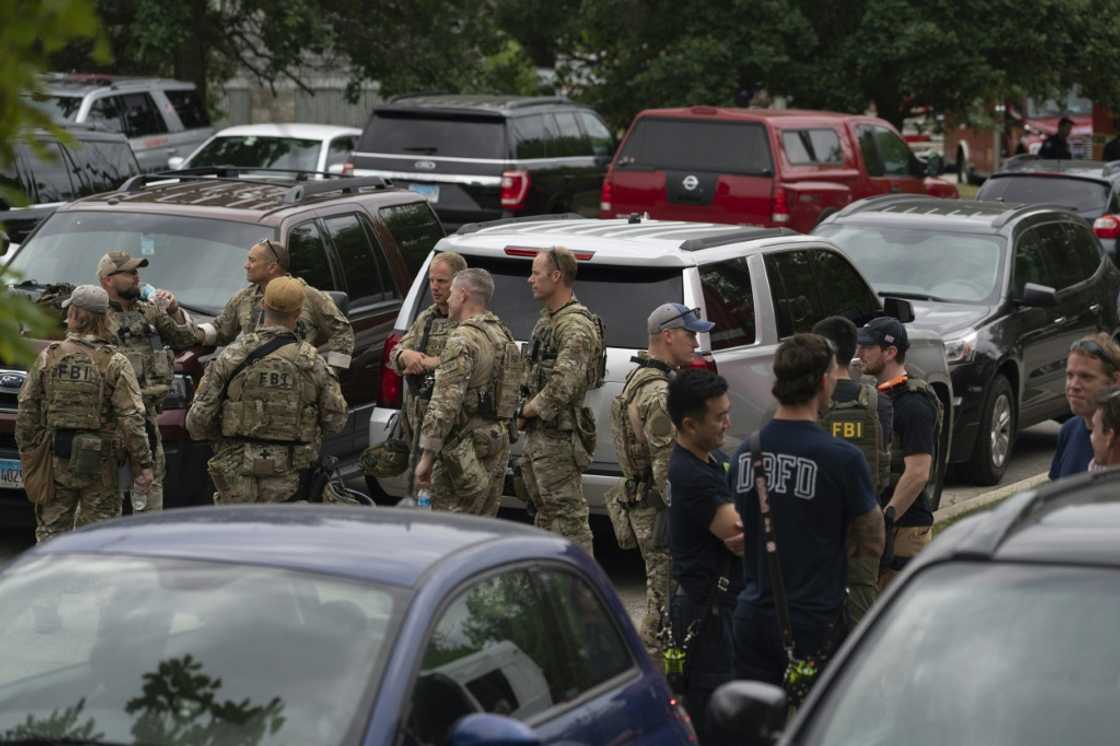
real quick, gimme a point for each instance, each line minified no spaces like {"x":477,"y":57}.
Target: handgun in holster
{"x":313,"y":480}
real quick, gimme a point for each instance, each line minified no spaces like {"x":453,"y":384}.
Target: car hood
{"x":947,"y":318}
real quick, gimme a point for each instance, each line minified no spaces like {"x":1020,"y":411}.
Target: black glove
{"x":888,"y":544}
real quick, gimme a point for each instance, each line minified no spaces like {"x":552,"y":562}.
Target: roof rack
{"x":421,"y":94}
{"x":881,"y":200}
{"x":722,"y":239}
{"x":301,"y":192}
{"x":232,"y":173}
{"x":1011,"y":214}
{"x":539,"y":101}
{"x":476,"y":227}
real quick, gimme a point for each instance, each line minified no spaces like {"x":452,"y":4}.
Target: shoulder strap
{"x":777,"y":586}
{"x":268,"y":347}
{"x":427,"y":333}
{"x":628,"y":396}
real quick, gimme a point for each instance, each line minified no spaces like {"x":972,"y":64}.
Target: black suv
{"x":1008,"y":286}
{"x":481,"y":158}
{"x":359,"y":239}
{"x":1091,"y":188}
{"x":49,"y":172}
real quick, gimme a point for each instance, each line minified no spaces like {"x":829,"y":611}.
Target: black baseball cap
{"x":883,"y":332}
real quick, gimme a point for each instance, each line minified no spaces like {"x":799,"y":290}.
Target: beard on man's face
{"x":130,"y":293}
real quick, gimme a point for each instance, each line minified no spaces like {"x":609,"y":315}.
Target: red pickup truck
{"x":785,"y":168}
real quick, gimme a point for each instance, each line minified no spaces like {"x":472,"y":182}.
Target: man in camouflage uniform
{"x":464,"y":435}
{"x":266,"y":403}
{"x":319,"y":322}
{"x":565,"y":361}
{"x":83,"y":395}
{"x":145,"y":334}
{"x":643,"y":439}
{"x":416,"y":356}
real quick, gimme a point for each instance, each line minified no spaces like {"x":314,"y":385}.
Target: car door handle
{"x":1095,"y":308}
{"x":1060,"y":321}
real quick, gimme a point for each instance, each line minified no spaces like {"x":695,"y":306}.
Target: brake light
{"x":605,"y":196}
{"x":1107,"y":226}
{"x":529,"y":251}
{"x":779,"y":207}
{"x":703,"y":362}
{"x":390,"y":390}
{"x":515,"y":188}
{"x":348,"y":168}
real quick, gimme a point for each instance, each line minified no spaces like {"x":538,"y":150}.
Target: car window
{"x":534,"y":136}
{"x":339,"y":150}
{"x":894,"y":153}
{"x":141,"y":117}
{"x":867,"y":147}
{"x":512,"y":645}
{"x":107,"y":114}
{"x":1080,"y":194}
{"x":1030,"y":263}
{"x":9,"y":179}
{"x":103,"y":166}
{"x":188,"y":105}
{"x":809,"y":147}
{"x":729,"y":302}
{"x":416,"y":230}
{"x":602,"y":144}
{"x":571,"y":140}
{"x":50,"y":172}
{"x":263,"y":152}
{"x":416,"y":135}
{"x":58,"y":107}
{"x":1085,"y":248}
{"x":843,"y":292}
{"x":308,"y":256}
{"x":365,"y":281}
{"x":695,"y":145}
{"x":793,"y":288}
{"x":1060,"y":249}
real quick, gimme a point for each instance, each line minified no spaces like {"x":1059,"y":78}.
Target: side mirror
{"x":899,"y":308}
{"x":935,"y":165}
{"x":483,"y":729}
{"x":1038,"y":295}
{"x":175,"y":162}
{"x":745,"y":713}
{"x":341,"y":299}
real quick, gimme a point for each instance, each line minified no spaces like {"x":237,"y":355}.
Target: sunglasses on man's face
{"x":1094,"y":349}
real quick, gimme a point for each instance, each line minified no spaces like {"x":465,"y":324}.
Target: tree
{"x":32,"y":31}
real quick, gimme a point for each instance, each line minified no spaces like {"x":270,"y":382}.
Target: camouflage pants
{"x":468,"y":478}
{"x":412,"y":417}
{"x":154,"y":499}
{"x":555,"y":485}
{"x":77,"y":502}
{"x":658,"y":576}
{"x":232,"y":470}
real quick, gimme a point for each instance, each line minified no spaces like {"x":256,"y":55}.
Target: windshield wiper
{"x":911,"y":296}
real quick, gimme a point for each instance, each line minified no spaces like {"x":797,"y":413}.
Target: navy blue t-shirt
{"x":817,"y":484}
{"x":696,"y":491}
{"x":1074,"y":449}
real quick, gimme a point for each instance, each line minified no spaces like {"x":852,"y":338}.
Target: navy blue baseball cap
{"x":676,"y":316}
{"x":883,"y":332}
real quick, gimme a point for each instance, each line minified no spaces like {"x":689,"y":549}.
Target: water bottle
{"x":424,"y":500}
{"x":146,"y":291}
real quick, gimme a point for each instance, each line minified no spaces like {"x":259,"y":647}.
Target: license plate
{"x":11,"y":474}
{"x":428,"y":191}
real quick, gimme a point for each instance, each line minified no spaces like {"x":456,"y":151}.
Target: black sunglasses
{"x":267,"y":243}
{"x":681,"y":315}
{"x":1094,"y":348}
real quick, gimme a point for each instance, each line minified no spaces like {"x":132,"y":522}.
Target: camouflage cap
{"x":88,"y":298}
{"x":284,"y":295}
{"x":118,"y":261}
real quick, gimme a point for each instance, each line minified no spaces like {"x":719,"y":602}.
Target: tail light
{"x":605,"y":197}
{"x":515,"y":188}
{"x":779,"y":207}
{"x":391,"y":389}
{"x":703,"y":362}
{"x":1107,"y":226}
{"x":682,"y":717}
{"x":348,"y":168}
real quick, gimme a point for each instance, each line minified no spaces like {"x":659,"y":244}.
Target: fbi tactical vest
{"x":76,"y":390}
{"x":273,"y":400}
{"x":626,"y":428}
{"x":544,"y":350}
{"x":918,"y":386}
{"x":496,"y":399}
{"x":857,"y":421}
{"x":151,"y":360}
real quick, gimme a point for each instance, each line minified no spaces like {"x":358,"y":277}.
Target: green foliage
{"x":63,"y":726}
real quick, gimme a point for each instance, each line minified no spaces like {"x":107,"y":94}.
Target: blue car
{"x":312,"y":626}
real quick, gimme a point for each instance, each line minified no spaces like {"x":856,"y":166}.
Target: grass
{"x":968,"y":191}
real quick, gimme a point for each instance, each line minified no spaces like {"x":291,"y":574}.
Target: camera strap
{"x":777,"y":586}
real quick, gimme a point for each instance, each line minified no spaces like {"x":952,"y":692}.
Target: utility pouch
{"x":63,"y":443}
{"x":617,"y":504}
{"x":673,"y":659}
{"x":86,"y":453}
{"x":585,"y":438}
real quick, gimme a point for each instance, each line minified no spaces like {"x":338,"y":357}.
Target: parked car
{"x":379,"y":627}
{"x":485,"y":157}
{"x":1008,"y":286}
{"x":759,"y":286}
{"x":48,"y":172}
{"x":1090,"y":188}
{"x":786,"y":168}
{"x":1000,"y":632}
{"x":359,"y":239}
{"x":301,"y":147}
{"x":160,"y":118}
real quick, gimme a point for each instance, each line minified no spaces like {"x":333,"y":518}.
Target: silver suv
{"x":759,"y":285}
{"x":161,"y":118}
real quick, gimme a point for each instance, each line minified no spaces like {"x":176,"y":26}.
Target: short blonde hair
{"x":565,"y":262}
{"x":454,"y":261}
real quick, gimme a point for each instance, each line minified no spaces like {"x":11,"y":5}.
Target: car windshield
{"x":198,"y":259}
{"x":1071,"y":103}
{"x":415,"y":136}
{"x":695,"y":145}
{"x":621,"y":296}
{"x":126,"y":649}
{"x":993,"y":654}
{"x":923,"y":264}
{"x":1082,"y":195}
{"x":58,"y":107}
{"x":263,"y":152}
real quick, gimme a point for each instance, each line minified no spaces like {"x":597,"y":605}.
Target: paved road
{"x":1033,"y":450}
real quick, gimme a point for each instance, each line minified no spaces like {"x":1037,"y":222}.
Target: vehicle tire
{"x":996,"y":438}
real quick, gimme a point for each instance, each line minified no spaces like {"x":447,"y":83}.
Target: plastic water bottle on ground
{"x":424,"y":500}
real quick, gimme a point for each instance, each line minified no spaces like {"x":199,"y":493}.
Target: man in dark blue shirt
{"x":1093,"y":364}
{"x":819,"y":488}
{"x":706,"y":576}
